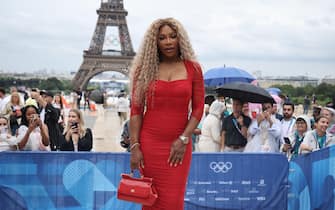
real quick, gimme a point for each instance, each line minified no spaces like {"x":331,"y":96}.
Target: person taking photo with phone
{"x":32,"y":133}
{"x":76,"y":137}
{"x":291,"y":147}
{"x":12,"y":112}
{"x":264,"y":132}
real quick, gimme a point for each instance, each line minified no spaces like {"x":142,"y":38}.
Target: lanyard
{"x":298,"y":141}
{"x":236,"y":126}
{"x":289,"y":126}
{"x":320,"y":139}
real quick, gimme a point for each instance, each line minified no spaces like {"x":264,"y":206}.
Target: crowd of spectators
{"x":266,"y":130}
{"x":35,"y":121}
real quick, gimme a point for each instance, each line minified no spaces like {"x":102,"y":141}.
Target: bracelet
{"x":133,"y":146}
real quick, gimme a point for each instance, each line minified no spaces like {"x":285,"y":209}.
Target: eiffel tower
{"x":110,"y":48}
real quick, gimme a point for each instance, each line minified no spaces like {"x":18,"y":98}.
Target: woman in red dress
{"x":167,"y":104}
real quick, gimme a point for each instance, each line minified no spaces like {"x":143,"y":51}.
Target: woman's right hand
{"x":34,"y":123}
{"x":287,"y":147}
{"x":136,"y":159}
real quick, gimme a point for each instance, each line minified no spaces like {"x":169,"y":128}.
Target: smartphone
{"x":74,"y":125}
{"x":34,"y":117}
{"x":287,"y":140}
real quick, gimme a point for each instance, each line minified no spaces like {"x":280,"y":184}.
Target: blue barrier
{"x":73,"y":181}
{"x":235,"y":181}
{"x":312,"y":181}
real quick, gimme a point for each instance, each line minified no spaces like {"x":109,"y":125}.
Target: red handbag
{"x":138,"y":190}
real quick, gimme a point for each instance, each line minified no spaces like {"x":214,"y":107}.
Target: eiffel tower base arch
{"x":93,"y":65}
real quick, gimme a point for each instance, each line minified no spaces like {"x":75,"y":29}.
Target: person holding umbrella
{"x":264,"y":132}
{"x":234,"y":129}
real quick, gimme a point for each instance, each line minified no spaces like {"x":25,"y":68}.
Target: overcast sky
{"x":278,"y":38}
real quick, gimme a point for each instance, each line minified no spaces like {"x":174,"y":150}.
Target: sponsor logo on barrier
{"x":262,"y":183}
{"x":222,"y":167}
{"x":202,"y":199}
{"x":190,"y":192}
{"x":261,"y":198}
{"x":245,"y":182}
{"x":212,"y":192}
{"x":253,"y":190}
{"x":222,"y":199}
{"x":226,"y":182}
{"x":244,"y":198}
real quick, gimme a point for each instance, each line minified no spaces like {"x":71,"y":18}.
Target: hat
{"x":330,"y":110}
{"x":306,"y":119}
{"x":317,"y":107}
{"x":46,"y":93}
{"x":31,"y":101}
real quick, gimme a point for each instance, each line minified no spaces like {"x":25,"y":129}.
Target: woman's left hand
{"x":177,"y":152}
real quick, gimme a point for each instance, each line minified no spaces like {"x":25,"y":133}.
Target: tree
{"x":52,"y":83}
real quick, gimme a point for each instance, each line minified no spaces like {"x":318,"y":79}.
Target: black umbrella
{"x":245,"y":92}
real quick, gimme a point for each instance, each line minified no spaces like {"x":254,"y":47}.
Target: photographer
{"x":264,"y":132}
{"x":76,"y":137}
{"x":32,"y":133}
{"x":12,"y":111}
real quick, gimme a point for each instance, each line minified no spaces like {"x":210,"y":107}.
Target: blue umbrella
{"x":274,"y":91}
{"x":223,"y":75}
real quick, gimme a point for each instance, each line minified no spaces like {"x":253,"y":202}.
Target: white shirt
{"x":311,"y":141}
{"x":122,"y":104}
{"x":34,"y":142}
{"x":3,"y":102}
{"x":287,"y":128}
{"x":263,"y":138}
{"x":7,"y":142}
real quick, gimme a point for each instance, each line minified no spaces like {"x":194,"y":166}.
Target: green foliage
{"x":7,"y":82}
{"x":324,"y":92}
{"x":51,"y":84}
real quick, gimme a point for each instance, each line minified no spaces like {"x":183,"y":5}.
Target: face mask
{"x":3,"y":129}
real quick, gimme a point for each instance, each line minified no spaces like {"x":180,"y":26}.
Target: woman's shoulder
{"x":23,"y":127}
{"x":194,"y":69}
{"x":193,"y":64}
{"x":330,"y":136}
{"x":309,"y":135}
{"x":88,"y":131}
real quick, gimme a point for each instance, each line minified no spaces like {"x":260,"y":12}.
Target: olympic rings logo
{"x":218,"y":167}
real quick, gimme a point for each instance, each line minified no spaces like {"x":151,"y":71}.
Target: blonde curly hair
{"x":145,"y":65}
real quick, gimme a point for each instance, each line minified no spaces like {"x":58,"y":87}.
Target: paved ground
{"x":106,"y":128}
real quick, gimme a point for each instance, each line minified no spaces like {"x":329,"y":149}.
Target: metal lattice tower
{"x":110,"y":48}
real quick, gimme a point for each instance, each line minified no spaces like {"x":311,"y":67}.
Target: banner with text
{"x":73,"y":181}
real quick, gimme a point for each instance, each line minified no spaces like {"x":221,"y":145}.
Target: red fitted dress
{"x":165,"y":118}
